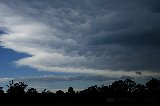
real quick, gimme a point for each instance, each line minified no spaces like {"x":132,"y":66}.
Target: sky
{"x":55,"y":44}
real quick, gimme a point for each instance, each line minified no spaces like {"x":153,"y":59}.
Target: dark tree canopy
{"x":118,"y":89}
{"x":16,"y":88}
{"x":71,"y":91}
{"x":32,"y":91}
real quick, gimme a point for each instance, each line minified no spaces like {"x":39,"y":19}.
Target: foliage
{"x":121,"y":88}
{"x":16,"y":88}
{"x":32,"y":91}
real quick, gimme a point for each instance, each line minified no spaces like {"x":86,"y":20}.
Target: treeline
{"x":121,"y":88}
{"x":119,"y":91}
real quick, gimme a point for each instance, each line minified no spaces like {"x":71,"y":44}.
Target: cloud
{"x":88,"y":36}
{"x":53,"y":83}
{"x":127,"y":77}
{"x":3,"y":80}
{"x":51,"y":78}
{"x":139,"y":73}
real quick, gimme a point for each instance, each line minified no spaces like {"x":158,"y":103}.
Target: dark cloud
{"x":126,"y":77}
{"x":51,"y":79}
{"x":139,"y":73}
{"x":109,"y":34}
{"x":151,"y":5}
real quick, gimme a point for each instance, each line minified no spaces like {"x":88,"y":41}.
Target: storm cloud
{"x":87,"y":36}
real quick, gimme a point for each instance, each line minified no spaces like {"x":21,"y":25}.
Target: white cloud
{"x":3,"y":80}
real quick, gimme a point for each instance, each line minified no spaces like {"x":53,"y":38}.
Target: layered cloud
{"x":87,"y":36}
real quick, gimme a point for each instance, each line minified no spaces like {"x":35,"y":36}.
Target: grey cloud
{"x":52,"y":79}
{"x":151,"y":5}
{"x":126,"y":77}
{"x":109,"y":34}
{"x":139,"y":73}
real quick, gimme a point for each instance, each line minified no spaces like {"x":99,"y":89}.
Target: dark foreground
{"x":126,"y":91}
{"x":42,"y":100}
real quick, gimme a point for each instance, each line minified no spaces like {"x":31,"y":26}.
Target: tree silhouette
{"x":92,"y":91}
{"x":59,"y":93}
{"x":71,"y":91}
{"x":130,"y":85}
{"x":119,"y":88}
{"x":32,"y":91}
{"x":1,"y":91}
{"x":139,"y":90}
{"x":105,"y":91}
{"x":45,"y":91}
{"x":153,"y":87}
{"x":16,"y":88}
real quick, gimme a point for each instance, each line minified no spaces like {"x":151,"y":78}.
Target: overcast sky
{"x":89,"y":40}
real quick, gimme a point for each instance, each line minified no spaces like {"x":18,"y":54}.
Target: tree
{"x":60,"y":93}
{"x":16,"y":88}
{"x":119,"y":88}
{"x":1,"y":91}
{"x":45,"y":91}
{"x":92,"y":91}
{"x":130,"y":85}
{"x":71,"y":91}
{"x":139,"y":90}
{"x":105,"y":91}
{"x":32,"y":91}
{"x":153,"y":86}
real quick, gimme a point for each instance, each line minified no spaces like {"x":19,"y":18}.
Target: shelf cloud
{"x":86,"y":36}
